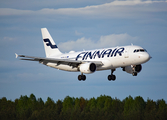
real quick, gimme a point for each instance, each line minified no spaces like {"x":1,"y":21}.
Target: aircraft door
{"x":126,"y":53}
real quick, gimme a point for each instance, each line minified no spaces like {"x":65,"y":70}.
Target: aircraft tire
{"x":81,"y":77}
{"x":111,"y":77}
{"x":134,"y":73}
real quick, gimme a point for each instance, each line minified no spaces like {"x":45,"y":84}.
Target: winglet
{"x":16,"y":55}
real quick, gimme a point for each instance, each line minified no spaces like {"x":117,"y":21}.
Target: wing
{"x":69,"y":62}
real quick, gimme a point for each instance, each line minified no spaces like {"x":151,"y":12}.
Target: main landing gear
{"x":81,"y":77}
{"x":112,"y":77}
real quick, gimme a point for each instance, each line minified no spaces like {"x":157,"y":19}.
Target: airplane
{"x":129,"y":58}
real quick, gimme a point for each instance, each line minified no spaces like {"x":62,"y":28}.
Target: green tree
{"x":162,"y":110}
{"x":108,"y":103}
{"x":32,"y":103}
{"x":82,"y":104}
{"x":109,"y":108}
{"x":23,"y":108}
{"x":104,"y":107}
{"x":134,"y":108}
{"x":68,"y":103}
{"x":150,"y":110}
{"x":59,"y":106}
{"x":138,"y":107}
{"x":128,"y":105}
{"x":40,"y":104}
{"x":49,"y":103}
{"x":27,"y":107}
{"x":129,"y":108}
{"x":37,"y":113}
{"x":68,"y":107}
{"x":49,"y":109}
{"x":117,"y":109}
{"x":7,"y":109}
{"x":101,"y":101}
{"x":91,"y":104}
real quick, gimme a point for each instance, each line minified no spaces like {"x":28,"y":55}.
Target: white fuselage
{"x":111,"y":58}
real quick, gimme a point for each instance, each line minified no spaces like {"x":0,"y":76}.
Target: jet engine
{"x":133,"y":69}
{"x":87,"y":68}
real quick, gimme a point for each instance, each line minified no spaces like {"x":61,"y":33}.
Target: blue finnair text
{"x":100,"y":54}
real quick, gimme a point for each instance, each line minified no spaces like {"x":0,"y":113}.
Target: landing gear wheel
{"x":134,"y":73}
{"x":111,"y":77}
{"x":81,"y":77}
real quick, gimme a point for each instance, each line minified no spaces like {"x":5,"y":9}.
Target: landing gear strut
{"x":81,"y":77}
{"x":112,"y":77}
{"x":134,"y":70}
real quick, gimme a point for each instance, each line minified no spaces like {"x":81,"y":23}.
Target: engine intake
{"x":87,"y":68}
{"x":131,"y":69}
{"x":138,"y":68}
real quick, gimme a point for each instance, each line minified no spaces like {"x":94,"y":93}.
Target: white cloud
{"x":8,"y":39}
{"x":115,"y":39}
{"x":76,"y":45}
{"x":104,"y":42}
{"x":113,"y":9}
{"x":9,"y":11}
{"x":78,"y":33}
{"x":132,"y":2}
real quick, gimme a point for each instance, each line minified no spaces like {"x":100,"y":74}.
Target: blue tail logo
{"x":48,"y":43}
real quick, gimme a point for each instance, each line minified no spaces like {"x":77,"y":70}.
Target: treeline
{"x":100,"y":108}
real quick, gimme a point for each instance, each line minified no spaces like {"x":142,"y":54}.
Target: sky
{"x":77,"y":25}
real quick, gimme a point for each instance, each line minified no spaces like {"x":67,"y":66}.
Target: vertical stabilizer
{"x":49,"y":45}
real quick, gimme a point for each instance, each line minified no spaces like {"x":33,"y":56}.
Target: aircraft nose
{"x":144,"y":57}
{"x":147,"y":57}
{"x":150,"y":57}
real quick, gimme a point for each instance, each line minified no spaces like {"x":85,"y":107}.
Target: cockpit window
{"x":140,"y":50}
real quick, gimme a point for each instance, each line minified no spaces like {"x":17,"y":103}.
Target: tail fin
{"x":49,"y":45}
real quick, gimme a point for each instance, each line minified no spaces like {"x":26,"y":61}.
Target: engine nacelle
{"x":87,"y":68}
{"x":133,"y":68}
